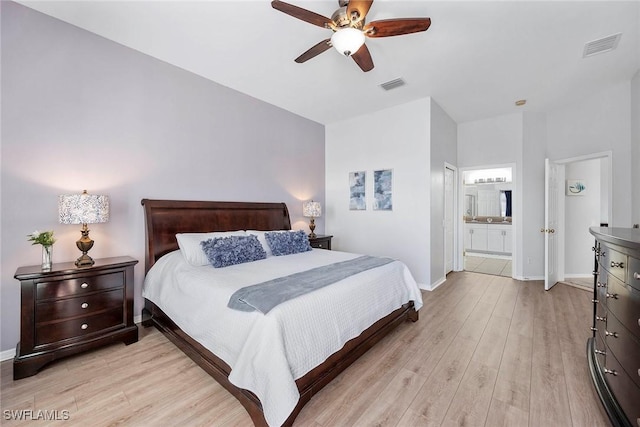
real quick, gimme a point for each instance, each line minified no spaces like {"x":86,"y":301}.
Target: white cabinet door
{"x":467,"y":236}
{"x":495,"y":238}
{"x":508,"y":240}
{"x":479,"y":237}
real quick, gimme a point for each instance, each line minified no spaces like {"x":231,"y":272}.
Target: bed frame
{"x":165,"y":218}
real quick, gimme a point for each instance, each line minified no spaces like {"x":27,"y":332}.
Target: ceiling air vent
{"x":392,"y":84}
{"x":604,"y":44}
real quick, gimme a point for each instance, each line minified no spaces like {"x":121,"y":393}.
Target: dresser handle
{"x":595,"y":301}
{"x":617,"y":264}
{"x":610,"y":371}
{"x":84,"y":305}
{"x":593,"y":329}
{"x":604,"y":353}
{"x":84,"y":326}
{"x":614,"y":296}
{"x":611,"y":334}
{"x":602,"y":254}
{"x":601,"y":285}
{"x":602,"y":319}
{"x":85,"y":285}
{"x":636,"y":275}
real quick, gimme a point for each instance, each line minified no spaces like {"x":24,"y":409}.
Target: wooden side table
{"x":320,"y":242}
{"x":68,"y":310}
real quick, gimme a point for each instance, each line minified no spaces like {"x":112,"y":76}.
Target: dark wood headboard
{"x":165,"y":218}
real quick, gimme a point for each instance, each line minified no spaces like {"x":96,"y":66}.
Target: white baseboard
{"x":11,"y":353}
{"x":424,"y":286}
{"x":438,"y":283}
{"x":7,"y":354}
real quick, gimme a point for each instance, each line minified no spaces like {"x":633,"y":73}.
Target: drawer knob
{"x":595,"y":301}
{"x":593,"y":329}
{"x":602,"y":319}
{"x":636,"y":275}
{"x":85,"y":285}
{"x":611,"y":334}
{"x":604,"y":353}
{"x":84,"y":326}
{"x":614,"y":296}
{"x":610,"y":372}
{"x":617,"y":264}
{"x":84,"y":305}
{"x":601,"y":285}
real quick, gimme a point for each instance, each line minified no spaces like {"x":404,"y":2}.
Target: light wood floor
{"x":487,"y":351}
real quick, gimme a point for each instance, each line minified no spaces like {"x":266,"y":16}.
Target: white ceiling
{"x":477,"y":58}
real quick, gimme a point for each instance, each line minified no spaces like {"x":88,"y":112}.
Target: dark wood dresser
{"x":614,"y":349}
{"x":68,"y":310}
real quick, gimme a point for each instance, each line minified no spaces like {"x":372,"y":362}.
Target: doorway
{"x":571,"y":257}
{"x":487,"y":219}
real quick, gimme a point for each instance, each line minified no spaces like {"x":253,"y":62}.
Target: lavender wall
{"x":81,"y":112}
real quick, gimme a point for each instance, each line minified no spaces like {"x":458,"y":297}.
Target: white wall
{"x":581,"y":212}
{"x":599,"y":122}
{"x":396,"y":138}
{"x":530,"y":198}
{"x":81,"y":112}
{"x":443,"y":141}
{"x":635,"y":147}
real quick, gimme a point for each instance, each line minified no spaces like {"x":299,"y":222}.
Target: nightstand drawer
{"x":58,"y":331}
{"x":79,"y":306}
{"x":79,"y":286}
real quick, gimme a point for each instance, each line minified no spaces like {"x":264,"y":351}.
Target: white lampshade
{"x":311,"y":209}
{"x":83,"y":208}
{"x":347,"y":41}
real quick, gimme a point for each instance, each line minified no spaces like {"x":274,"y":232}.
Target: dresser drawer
{"x":634,"y":273}
{"x":85,"y":305}
{"x":627,"y":393}
{"x":78,"y":327}
{"x":624,"y":347}
{"x":624,"y":303}
{"x":79,"y":285}
{"x":601,"y":350}
{"x":614,"y":262}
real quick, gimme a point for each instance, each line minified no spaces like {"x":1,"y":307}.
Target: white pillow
{"x":263,"y":240}
{"x":189,"y":244}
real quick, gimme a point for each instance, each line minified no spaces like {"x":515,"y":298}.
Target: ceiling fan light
{"x":347,"y":41}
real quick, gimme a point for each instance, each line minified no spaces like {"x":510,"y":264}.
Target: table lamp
{"x":312,"y":210}
{"x":83,"y":209}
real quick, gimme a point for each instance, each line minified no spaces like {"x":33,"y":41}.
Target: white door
{"x":553,"y":191}
{"x":449,"y":201}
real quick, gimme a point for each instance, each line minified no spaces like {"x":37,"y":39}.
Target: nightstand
{"x":320,"y":242}
{"x":68,"y":310}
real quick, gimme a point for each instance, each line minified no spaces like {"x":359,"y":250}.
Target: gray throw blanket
{"x":264,"y":296}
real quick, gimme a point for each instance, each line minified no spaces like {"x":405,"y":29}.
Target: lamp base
{"x":312,"y":227}
{"x":84,"y":261}
{"x":84,"y":244}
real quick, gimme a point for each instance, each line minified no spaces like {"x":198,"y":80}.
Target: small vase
{"x":47,"y":253}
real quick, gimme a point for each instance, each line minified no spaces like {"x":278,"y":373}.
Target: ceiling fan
{"x":349,"y":29}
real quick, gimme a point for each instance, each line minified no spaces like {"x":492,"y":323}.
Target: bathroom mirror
{"x":488,"y":200}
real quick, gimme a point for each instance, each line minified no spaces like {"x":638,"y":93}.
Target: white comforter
{"x":267,"y":353}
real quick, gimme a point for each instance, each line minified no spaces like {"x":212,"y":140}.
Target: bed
{"x":166,"y":218}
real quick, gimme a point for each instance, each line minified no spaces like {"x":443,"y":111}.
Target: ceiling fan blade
{"x":360,"y":8}
{"x":314,"y":51}
{"x":363,"y":58}
{"x":302,"y":14}
{"x":396,"y":27}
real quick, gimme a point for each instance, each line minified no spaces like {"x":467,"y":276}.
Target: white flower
{"x":35,"y":234}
